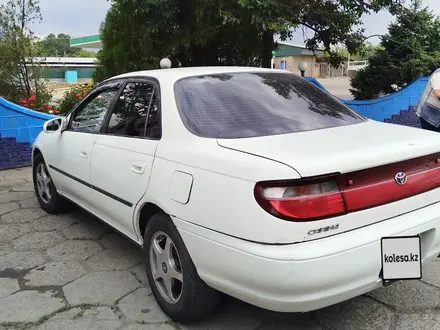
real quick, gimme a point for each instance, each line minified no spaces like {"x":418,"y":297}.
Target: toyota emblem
{"x":400,"y":178}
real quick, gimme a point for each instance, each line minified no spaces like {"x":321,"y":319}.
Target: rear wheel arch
{"x":145,"y":214}
{"x":196,"y":299}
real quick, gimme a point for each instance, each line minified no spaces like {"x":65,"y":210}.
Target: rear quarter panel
{"x":222,"y":195}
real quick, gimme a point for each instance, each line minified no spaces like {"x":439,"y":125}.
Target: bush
{"x":9,"y":91}
{"x":410,"y":49}
{"x":72,"y":96}
{"x":383,"y":72}
{"x":39,"y":100}
{"x":32,"y":101}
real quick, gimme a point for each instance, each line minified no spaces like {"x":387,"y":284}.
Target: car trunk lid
{"x":341,"y":149}
{"x":373,"y":164}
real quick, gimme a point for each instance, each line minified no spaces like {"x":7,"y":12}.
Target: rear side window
{"x":240,"y":105}
{"x":136,"y":113}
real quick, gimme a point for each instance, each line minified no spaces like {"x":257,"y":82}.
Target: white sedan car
{"x":247,"y":181}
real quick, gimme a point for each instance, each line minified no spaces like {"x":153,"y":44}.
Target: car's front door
{"x":70,"y":163}
{"x":123,"y":154}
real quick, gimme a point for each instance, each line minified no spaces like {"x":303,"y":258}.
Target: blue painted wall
{"x":20,"y":123}
{"x":19,"y":128}
{"x":406,"y":117}
{"x":387,"y":106}
{"x":14,"y":154}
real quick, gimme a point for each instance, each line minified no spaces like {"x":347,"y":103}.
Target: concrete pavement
{"x":339,"y":86}
{"x":73,"y":272}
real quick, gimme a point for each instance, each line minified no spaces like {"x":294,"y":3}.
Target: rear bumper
{"x":305,"y":276}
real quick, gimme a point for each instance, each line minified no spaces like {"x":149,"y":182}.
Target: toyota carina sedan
{"x":247,"y":181}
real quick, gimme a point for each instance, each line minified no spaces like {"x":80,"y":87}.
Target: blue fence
{"x":20,"y":123}
{"x":384,"y":107}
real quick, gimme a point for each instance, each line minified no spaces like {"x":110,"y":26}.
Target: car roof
{"x":174,"y":74}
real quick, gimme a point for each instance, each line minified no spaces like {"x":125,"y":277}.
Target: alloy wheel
{"x":166,"y":267}
{"x":44,"y":183}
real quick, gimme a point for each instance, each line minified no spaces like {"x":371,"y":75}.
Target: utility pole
{"x":23,"y":14}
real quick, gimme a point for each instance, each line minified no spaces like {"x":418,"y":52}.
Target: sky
{"x":83,"y":17}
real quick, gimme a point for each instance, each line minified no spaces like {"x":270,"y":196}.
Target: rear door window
{"x":136,"y":113}
{"x":252,"y":104}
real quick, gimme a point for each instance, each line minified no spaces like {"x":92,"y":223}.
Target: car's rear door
{"x":124,"y":152}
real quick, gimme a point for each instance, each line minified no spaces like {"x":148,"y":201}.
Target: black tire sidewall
{"x":192,"y":284}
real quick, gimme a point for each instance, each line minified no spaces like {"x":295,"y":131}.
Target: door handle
{"x":138,"y":167}
{"x":83,"y":154}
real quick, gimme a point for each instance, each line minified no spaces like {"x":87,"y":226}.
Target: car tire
{"x":196,"y":299}
{"x":49,"y":199}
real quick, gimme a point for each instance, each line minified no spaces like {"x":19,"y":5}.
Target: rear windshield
{"x":240,"y":105}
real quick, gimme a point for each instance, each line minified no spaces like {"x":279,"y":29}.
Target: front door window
{"x":90,"y":117}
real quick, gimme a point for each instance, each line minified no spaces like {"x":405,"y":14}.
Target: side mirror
{"x":53,"y":125}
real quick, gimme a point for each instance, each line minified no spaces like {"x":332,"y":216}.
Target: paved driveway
{"x":72,"y":272}
{"x":339,"y":86}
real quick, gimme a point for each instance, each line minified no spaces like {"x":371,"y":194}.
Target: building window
{"x":283,"y":65}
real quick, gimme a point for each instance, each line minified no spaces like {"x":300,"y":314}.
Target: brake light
{"x":326,"y":196}
{"x":311,"y":199}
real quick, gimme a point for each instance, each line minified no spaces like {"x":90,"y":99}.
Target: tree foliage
{"x":363,"y":53}
{"x":59,"y":46}
{"x":366,"y":51}
{"x":19,"y":76}
{"x":138,"y":33}
{"x":410,"y":49}
{"x":16,"y":45}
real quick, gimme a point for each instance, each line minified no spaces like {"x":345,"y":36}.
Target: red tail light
{"x":332,"y":195}
{"x":306,"y":199}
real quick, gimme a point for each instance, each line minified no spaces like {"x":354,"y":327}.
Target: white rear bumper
{"x":304,"y":276}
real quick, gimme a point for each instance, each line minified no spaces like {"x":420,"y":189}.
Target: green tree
{"x":84,"y":53}
{"x":54,"y":45}
{"x":59,"y":46}
{"x":332,"y":22}
{"x":409,"y":50}
{"x":19,"y":77}
{"x":363,"y":53}
{"x":367,"y":50}
{"x":138,"y":33}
